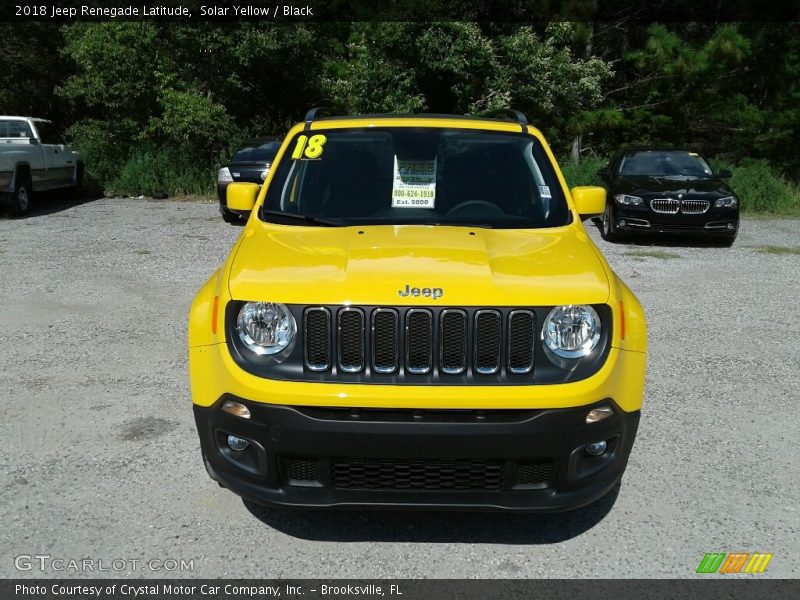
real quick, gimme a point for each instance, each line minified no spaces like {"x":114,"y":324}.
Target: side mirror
{"x":604,"y":174}
{"x":589,"y":200}
{"x":33,"y":141}
{"x":241,"y":197}
{"x":67,"y":139}
{"x":725,"y":174}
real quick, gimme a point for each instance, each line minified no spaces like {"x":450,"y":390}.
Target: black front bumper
{"x":527,"y":460}
{"x":640,"y":219}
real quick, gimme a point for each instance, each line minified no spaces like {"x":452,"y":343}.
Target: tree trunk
{"x":576,"y":148}
{"x":577,"y":141}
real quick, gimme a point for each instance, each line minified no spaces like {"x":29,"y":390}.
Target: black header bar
{"x":274,"y":11}
{"x":712,"y":587}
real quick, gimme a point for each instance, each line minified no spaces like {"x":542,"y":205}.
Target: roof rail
{"x":515,"y":115}
{"x":505,"y":114}
{"x":316,"y":111}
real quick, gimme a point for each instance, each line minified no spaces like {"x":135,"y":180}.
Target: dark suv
{"x":652,"y":190}
{"x":250,"y":163}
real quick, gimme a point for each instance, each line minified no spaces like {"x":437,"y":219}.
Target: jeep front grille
{"x":385,"y":340}
{"x":416,"y":345}
{"x":351,"y":340}
{"x":453,"y":341}
{"x":487,"y":342}
{"x":521,"y":333}
{"x":419,"y":341}
{"x":318,"y":339}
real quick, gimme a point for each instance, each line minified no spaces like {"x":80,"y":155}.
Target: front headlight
{"x":726,"y":202}
{"x":224,"y":175}
{"x":626,"y":200}
{"x":265,"y":327}
{"x":571,"y":331}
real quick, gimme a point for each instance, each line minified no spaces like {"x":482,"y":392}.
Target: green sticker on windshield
{"x":414,"y":184}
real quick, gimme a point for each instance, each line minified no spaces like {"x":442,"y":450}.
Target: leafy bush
{"x":583,"y":173}
{"x":104,"y":147}
{"x":149,"y":171}
{"x":761,"y":189}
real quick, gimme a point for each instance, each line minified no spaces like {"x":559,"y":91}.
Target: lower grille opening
{"x":533,"y":474}
{"x":301,"y":471}
{"x":389,"y":474}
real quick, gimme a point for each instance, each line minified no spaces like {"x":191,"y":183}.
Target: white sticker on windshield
{"x":414,"y":184}
{"x":544,"y":191}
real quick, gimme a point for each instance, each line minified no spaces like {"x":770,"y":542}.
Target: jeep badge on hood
{"x":434,"y":293}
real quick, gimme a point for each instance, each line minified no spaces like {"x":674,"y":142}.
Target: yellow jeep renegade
{"x":414,"y":316}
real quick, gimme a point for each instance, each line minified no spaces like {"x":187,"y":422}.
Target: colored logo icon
{"x":734,"y":562}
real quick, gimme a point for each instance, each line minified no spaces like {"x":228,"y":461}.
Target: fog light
{"x":730,"y":226}
{"x":621,"y":223}
{"x":595,"y":449}
{"x":237,"y":409}
{"x":598,"y":414}
{"x":238,"y":444}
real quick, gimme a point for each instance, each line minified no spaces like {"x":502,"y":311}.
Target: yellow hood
{"x":372,"y":264}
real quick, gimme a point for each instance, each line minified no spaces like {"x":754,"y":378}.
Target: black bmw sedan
{"x":250,"y":163}
{"x":653,"y":190}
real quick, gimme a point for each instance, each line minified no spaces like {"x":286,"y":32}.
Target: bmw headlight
{"x":224,"y":175}
{"x":571,"y":331}
{"x":265,"y":327}
{"x":726,"y":202}
{"x":626,"y":200}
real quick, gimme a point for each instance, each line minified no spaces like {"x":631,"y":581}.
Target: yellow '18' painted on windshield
{"x":309,"y":147}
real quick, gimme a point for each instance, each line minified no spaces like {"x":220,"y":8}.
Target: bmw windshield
{"x":410,"y":175}
{"x":670,"y":163}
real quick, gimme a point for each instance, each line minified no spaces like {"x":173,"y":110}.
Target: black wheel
{"x":232,"y":218}
{"x":607,"y":228}
{"x":21,"y":199}
{"x":76,"y":192}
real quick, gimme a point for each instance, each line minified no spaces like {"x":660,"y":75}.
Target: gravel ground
{"x":100,"y":457}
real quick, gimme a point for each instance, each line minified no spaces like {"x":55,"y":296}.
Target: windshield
{"x":409,"y":175}
{"x":671,"y":163}
{"x":257,"y":152}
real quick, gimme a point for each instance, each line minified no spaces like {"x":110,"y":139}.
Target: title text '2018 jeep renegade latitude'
{"x":414,"y":316}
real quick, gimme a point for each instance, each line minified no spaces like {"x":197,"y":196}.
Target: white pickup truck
{"x":33,"y":158}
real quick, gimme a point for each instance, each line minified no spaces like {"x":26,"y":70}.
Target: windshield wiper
{"x":279,"y":214}
{"x":454,"y":224}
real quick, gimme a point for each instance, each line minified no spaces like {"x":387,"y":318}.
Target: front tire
{"x":607,"y":228}
{"x":21,"y":199}
{"x":232,"y":218}
{"x":76,"y":192}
